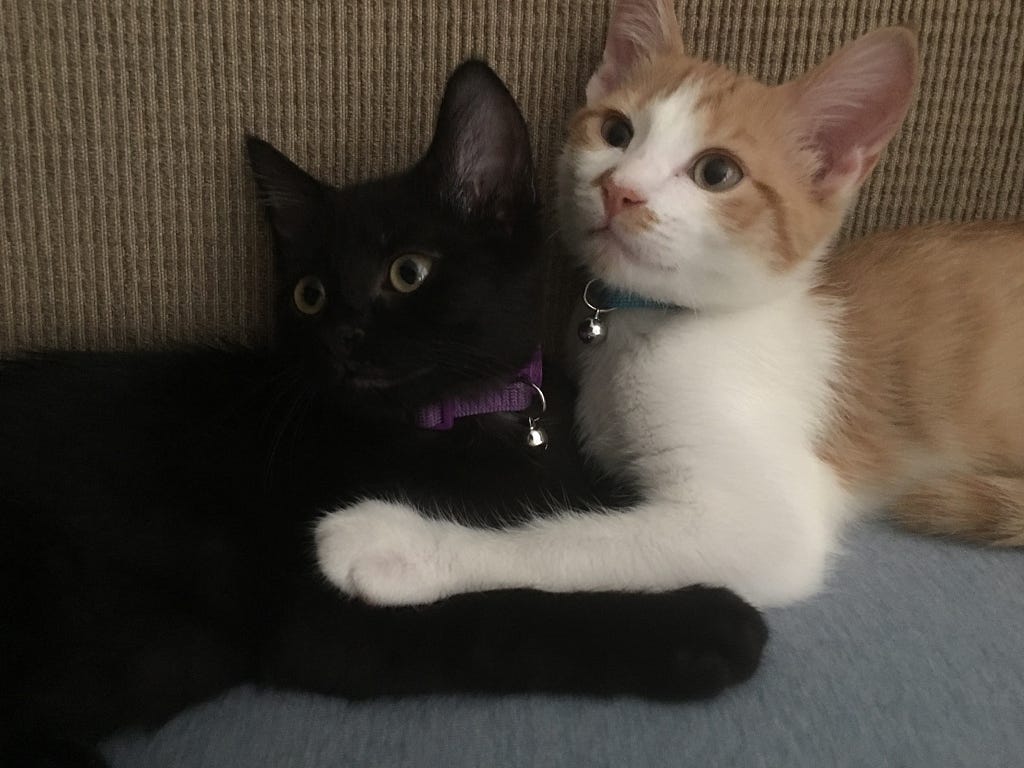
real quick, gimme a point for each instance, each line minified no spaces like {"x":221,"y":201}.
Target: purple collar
{"x":517,"y":396}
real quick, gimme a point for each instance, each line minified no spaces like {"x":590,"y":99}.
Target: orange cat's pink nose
{"x":618,"y":198}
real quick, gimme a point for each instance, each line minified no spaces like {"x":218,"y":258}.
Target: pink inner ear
{"x":851,"y":105}
{"x":637,"y":29}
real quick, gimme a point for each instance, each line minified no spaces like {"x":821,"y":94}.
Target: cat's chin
{"x":378,"y":381}
{"x":370,"y":383}
{"x":609,"y":256}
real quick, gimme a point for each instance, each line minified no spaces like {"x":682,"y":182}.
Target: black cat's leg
{"x":686,"y":644}
{"x":30,"y":737}
{"x":41,"y":749}
{"x":144,"y":669}
{"x":93,"y":643}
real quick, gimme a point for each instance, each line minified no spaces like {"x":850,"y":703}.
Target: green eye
{"x":310,"y":296}
{"x":716,"y":172}
{"x":408,"y":272}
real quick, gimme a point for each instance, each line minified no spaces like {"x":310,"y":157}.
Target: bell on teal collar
{"x":595,"y":329}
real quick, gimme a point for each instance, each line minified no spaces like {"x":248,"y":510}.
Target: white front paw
{"x":384,"y":553}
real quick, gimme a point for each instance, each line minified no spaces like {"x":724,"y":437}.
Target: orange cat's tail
{"x":984,"y":508}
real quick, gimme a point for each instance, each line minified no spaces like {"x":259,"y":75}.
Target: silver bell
{"x":536,"y":437}
{"x":592,"y":330}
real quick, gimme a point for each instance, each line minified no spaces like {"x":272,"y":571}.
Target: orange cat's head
{"x":688,"y":183}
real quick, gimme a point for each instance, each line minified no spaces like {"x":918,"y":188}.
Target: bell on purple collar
{"x":516,"y":397}
{"x":536,"y":437}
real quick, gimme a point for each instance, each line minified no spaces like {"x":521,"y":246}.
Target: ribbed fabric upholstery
{"x":126,"y":213}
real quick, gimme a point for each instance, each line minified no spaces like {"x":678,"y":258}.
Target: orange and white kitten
{"x":797,"y":387}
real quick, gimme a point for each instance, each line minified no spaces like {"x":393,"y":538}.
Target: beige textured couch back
{"x":126,"y":214}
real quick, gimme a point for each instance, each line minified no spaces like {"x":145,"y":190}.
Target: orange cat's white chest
{"x":667,"y":392}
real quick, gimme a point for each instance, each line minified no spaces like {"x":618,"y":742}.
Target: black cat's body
{"x":157,"y":508}
{"x":157,"y":518}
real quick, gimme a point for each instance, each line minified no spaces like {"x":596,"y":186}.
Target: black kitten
{"x":157,"y":507}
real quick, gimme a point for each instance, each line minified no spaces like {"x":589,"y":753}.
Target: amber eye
{"x":408,"y":272}
{"x":617,"y":131}
{"x":310,"y":296}
{"x":716,"y":172}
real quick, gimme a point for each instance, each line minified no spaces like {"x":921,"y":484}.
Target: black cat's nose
{"x":345,"y":339}
{"x":350,"y":337}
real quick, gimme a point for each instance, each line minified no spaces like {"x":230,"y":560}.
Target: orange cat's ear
{"x":637,"y":29}
{"x":850,"y":106}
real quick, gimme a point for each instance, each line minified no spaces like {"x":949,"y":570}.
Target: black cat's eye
{"x":716,"y":172}
{"x":310,"y":296}
{"x":617,"y":131}
{"x":408,"y":271}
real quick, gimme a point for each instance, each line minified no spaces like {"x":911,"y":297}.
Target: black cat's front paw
{"x":718,"y":643}
{"x":686,"y":644}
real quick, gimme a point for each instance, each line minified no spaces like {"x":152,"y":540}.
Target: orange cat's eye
{"x":716,"y":172}
{"x":617,"y":131}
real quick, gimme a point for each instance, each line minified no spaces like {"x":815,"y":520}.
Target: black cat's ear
{"x":481,"y":147}
{"x":290,"y":196}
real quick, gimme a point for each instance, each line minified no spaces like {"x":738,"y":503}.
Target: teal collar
{"x":601,"y":299}
{"x":612,"y":298}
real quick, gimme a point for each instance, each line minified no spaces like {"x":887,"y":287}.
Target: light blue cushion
{"x":914,"y":656}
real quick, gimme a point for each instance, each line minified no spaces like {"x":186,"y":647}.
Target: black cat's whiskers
{"x":306,"y":398}
{"x":465,"y":360}
{"x":277,"y":386}
{"x":293,"y":393}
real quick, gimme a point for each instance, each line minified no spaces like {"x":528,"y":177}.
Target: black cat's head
{"x":406,"y":289}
